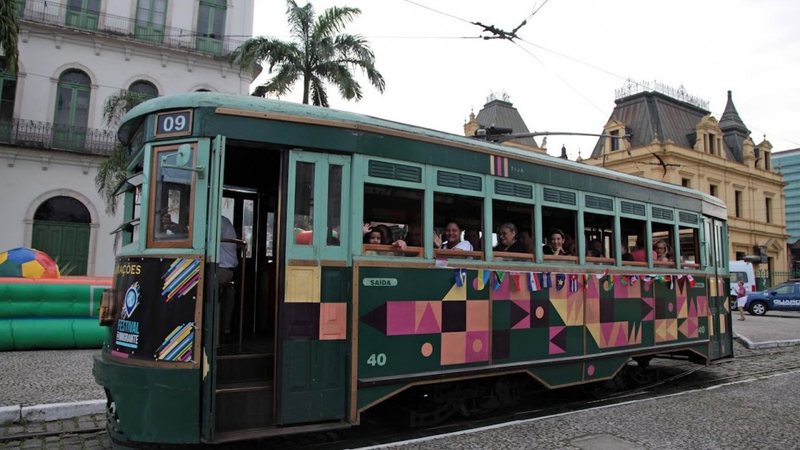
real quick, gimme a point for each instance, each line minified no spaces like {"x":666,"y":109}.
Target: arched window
{"x":144,"y":88}
{"x":63,"y":209}
{"x":72,"y":110}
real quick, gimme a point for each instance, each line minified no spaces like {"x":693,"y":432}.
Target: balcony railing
{"x":51,"y":13}
{"x":50,"y":136}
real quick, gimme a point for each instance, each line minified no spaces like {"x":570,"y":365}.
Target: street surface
{"x":752,"y":403}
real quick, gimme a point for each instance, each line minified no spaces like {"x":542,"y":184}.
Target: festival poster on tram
{"x":157,"y":317}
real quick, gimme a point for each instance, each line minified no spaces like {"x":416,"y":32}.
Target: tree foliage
{"x":112,"y":171}
{"x":9,"y":31}
{"x":318,"y":54}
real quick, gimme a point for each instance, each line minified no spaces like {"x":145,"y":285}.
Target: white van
{"x":741,"y":270}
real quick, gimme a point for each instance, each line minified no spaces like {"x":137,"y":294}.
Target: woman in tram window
{"x":507,"y":236}
{"x":452,"y":234}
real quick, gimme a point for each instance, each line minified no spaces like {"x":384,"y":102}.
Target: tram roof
{"x":133,"y":118}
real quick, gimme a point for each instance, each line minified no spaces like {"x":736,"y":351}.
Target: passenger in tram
{"x":228,"y":262}
{"x":507,"y":236}
{"x":452,"y":234}
{"x":557,"y":244}
{"x":526,"y":239}
{"x":639,"y":253}
{"x":596,"y":249}
{"x":474,"y":238}
{"x":170,"y":228}
{"x":662,"y":251}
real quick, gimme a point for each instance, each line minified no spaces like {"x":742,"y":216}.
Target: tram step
{"x":243,"y":368}
{"x":240,"y":406}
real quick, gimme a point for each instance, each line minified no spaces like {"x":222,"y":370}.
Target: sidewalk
{"x":47,"y":385}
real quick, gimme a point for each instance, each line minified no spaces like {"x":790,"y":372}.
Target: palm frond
{"x":332,"y":20}
{"x":9,"y":32}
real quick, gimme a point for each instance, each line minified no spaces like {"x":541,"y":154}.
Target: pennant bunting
{"x":499,"y":276}
{"x":514,"y":279}
{"x":534,"y":282}
{"x":573,"y":282}
{"x":546,"y":282}
{"x":691,"y":281}
{"x":482,"y":279}
{"x":461,"y":277}
{"x":560,"y":279}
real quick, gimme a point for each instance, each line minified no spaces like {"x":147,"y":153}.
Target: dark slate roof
{"x":733,"y":130}
{"x":502,"y":114}
{"x":650,"y":114}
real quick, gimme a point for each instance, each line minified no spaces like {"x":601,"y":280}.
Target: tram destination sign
{"x":158,"y":316}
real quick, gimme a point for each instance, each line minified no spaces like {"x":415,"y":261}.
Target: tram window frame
{"x":523,"y":216}
{"x":459,"y":208}
{"x":661,"y":231}
{"x":549,"y":226}
{"x":605,"y":233}
{"x":157,"y":205}
{"x":691,"y":244}
{"x":632,"y":230}
{"x":401,"y":221}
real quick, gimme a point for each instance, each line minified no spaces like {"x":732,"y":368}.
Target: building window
{"x":151,"y":16}
{"x":83,"y":14}
{"x":711,"y":139}
{"x":211,"y":26}
{"x":767,"y":162}
{"x":712,"y":189}
{"x":72,"y":110}
{"x":8,"y":92}
{"x":685,"y":182}
{"x":614,"y":140}
{"x":145,"y":89}
{"x":738,"y":199}
{"x":768,"y":207}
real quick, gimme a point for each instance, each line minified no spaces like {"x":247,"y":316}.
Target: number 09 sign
{"x":174,"y":123}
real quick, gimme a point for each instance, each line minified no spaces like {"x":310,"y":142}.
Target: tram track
{"x":678,"y":377}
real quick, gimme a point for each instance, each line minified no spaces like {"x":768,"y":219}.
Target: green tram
{"x":326,"y":326}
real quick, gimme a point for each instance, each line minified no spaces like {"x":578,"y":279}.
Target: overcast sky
{"x":573,"y":55}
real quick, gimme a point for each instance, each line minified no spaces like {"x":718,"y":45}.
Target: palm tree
{"x":9,"y":30}
{"x":318,"y":54}
{"x":113,"y":170}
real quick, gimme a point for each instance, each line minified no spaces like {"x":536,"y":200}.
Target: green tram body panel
{"x":145,"y":396}
{"x":416,"y":324}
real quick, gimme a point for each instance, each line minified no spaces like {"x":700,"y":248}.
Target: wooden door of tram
{"x":313,"y":310}
{"x":721,"y":332}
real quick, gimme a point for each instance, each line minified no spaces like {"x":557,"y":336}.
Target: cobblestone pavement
{"x":47,"y":376}
{"x":69,"y":437}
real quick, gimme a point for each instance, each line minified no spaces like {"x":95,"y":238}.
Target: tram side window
{"x":397,"y":215}
{"x":504,"y":239}
{"x":689,"y":239}
{"x":304,"y":203}
{"x":171,"y":218}
{"x":633,"y":233}
{"x":455,"y":219}
{"x":559,"y":226}
{"x":663,"y":239}
{"x":598,"y":230}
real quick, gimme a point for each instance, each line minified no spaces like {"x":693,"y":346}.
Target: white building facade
{"x":74,"y":54}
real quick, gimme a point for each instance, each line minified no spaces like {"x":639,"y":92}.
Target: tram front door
{"x":244,"y":362}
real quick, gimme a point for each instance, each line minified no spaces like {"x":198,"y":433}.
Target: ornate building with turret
{"x":675,"y":139}
{"x":499,"y":114}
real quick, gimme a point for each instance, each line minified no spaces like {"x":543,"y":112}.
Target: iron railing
{"x":51,"y":136}
{"x":766,"y":279}
{"x":53,"y":13}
